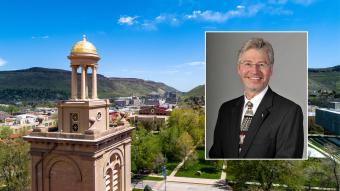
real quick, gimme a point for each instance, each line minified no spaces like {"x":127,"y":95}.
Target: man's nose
{"x":255,"y":68}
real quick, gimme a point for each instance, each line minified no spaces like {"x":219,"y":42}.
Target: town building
{"x":335,"y":105}
{"x":46,"y":110}
{"x":135,"y":101}
{"x":85,"y":153}
{"x":121,"y":102}
{"x":153,"y":99}
{"x":127,"y":101}
{"x":3,"y":116}
{"x":25,"y":119}
{"x":153,"y":110}
{"x":329,"y":120}
{"x":171,"y":97}
{"x":154,"y":95}
{"x":154,"y":116}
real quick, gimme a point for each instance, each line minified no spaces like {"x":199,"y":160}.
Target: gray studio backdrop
{"x":289,"y":77}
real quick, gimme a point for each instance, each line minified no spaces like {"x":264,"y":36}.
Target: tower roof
{"x":84,"y":47}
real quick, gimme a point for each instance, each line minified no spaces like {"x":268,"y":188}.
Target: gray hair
{"x":259,"y":44}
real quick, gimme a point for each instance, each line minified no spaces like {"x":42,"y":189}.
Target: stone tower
{"x":85,"y":154}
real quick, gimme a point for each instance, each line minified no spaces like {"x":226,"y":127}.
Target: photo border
{"x":305,"y":149}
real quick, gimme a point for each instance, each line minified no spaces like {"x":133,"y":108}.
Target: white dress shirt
{"x":255,"y":101}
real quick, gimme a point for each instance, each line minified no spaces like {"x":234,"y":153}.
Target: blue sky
{"x":159,"y":40}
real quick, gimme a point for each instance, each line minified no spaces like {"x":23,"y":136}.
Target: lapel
{"x":235,"y":126}
{"x":261,"y":113}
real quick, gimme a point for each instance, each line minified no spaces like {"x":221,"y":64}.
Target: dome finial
{"x":84,"y":37}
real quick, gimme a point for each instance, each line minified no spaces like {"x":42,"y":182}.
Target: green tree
{"x":314,"y":174}
{"x":332,"y":164}
{"x":191,"y":160}
{"x":14,"y":162}
{"x":190,"y":121}
{"x":146,"y":151}
{"x":11,"y":109}
{"x":5,"y":132}
{"x":184,"y":122}
{"x":266,"y":173}
{"x":168,"y":140}
{"x":184,"y":145}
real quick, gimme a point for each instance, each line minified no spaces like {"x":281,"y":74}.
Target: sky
{"x":158,"y":40}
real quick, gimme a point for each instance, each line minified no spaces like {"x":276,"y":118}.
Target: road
{"x":179,"y":186}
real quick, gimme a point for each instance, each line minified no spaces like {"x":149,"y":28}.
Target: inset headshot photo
{"x":256,"y":95}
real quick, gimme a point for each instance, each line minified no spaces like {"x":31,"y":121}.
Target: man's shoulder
{"x":283,"y":102}
{"x":233,"y":102}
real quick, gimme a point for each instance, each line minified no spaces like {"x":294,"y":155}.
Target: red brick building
{"x":153,"y":110}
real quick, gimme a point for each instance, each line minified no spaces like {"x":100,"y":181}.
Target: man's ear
{"x":271,"y":70}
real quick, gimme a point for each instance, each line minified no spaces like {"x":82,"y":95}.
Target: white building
{"x":25,"y":119}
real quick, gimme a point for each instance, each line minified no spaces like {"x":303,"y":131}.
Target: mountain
{"x":324,"y":79}
{"x":198,"y":91}
{"x":55,"y":84}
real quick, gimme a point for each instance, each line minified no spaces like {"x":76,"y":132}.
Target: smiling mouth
{"x":255,"y":78}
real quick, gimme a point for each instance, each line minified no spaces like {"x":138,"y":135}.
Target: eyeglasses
{"x":260,"y":65}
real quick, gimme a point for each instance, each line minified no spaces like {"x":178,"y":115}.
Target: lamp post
{"x":164,"y":175}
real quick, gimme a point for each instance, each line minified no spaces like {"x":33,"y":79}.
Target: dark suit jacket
{"x":276,"y":130}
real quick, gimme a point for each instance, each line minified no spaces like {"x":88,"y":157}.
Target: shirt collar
{"x":256,"y":100}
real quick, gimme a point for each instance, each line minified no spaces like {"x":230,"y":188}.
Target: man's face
{"x":254,"y":70}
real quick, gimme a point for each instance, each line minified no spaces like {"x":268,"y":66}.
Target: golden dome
{"x":84,"y":47}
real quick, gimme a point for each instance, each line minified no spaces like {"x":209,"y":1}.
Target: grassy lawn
{"x":145,"y":177}
{"x":207,"y":168}
{"x":152,"y":178}
{"x":170,"y":166}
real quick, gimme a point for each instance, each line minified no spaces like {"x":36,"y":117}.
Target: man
{"x":261,"y":123}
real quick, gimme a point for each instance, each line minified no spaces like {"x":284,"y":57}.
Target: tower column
{"x":86,"y":84}
{"x":94,"y":82}
{"x":83,"y":73}
{"x":74,"y":82}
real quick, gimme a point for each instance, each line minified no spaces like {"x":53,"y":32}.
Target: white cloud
{"x":163,"y":18}
{"x":240,"y":6}
{"x":245,"y":9}
{"x":149,"y":25}
{"x":166,"y":18}
{"x":189,"y":64}
{"x":279,"y":11}
{"x":197,"y":63}
{"x":254,"y":9}
{"x":218,"y":16}
{"x":127,"y":20}
{"x":160,"y":18}
{"x":213,"y":16}
{"x":2,"y":62}
{"x":301,"y":2}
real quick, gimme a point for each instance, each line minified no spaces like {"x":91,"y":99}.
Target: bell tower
{"x":85,"y":154}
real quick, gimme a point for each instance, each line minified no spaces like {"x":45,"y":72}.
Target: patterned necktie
{"x":246,"y":122}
